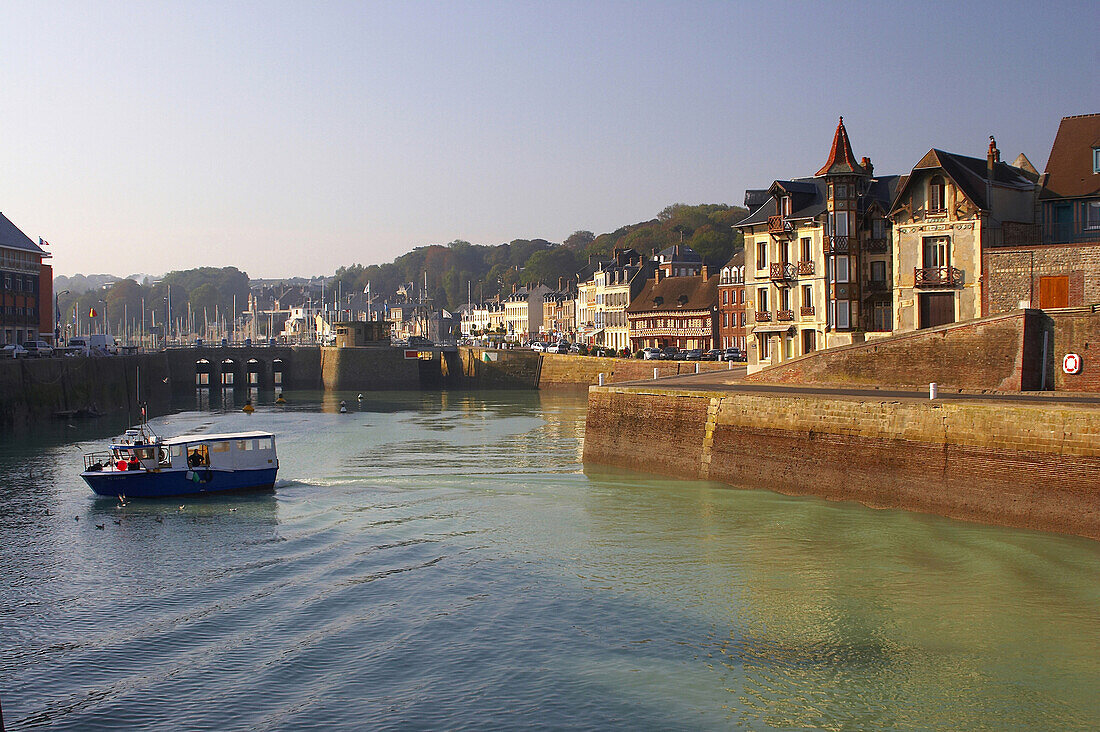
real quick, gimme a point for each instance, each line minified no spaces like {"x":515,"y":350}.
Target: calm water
{"x":444,"y":562}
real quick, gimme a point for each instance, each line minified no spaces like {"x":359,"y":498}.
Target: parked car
{"x":651,"y":354}
{"x":38,"y":349}
{"x":713,"y":354}
{"x":559,"y":347}
{"x":575,"y":348}
{"x":668,"y":353}
{"x":538,"y":347}
{"x":693,"y":354}
{"x":733,"y":354}
{"x":13,"y":350}
{"x":416,"y":341}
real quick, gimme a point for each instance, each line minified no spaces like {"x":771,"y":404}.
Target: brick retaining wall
{"x":1026,"y":466}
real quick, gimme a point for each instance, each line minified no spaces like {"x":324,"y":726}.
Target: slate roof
{"x":12,"y":238}
{"x":807,"y":200}
{"x":676,"y":294}
{"x":737,"y":260}
{"x":1069,"y":168}
{"x":679,"y":253}
{"x":970,"y":174}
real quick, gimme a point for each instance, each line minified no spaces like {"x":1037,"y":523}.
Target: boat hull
{"x":142,"y":484}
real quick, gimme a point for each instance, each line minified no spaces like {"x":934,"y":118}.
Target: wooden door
{"x":937,"y":308}
{"x":1054,"y":292}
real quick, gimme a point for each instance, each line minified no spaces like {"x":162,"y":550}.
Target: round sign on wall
{"x":1071,"y":363}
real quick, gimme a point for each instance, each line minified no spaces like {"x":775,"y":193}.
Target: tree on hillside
{"x":550,"y":264}
{"x":579,"y":240}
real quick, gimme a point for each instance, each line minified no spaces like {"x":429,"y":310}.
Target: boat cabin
{"x":237,"y":451}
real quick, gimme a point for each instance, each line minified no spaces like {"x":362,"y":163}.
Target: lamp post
{"x":57,"y":317}
{"x":106,"y":323}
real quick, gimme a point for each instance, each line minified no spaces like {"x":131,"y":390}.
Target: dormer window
{"x":658,"y":301}
{"x":682,"y":300}
{"x":937,"y":194}
{"x":785,"y":206}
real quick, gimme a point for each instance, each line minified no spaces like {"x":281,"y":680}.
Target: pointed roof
{"x":841,"y":158}
{"x":1069,"y":167}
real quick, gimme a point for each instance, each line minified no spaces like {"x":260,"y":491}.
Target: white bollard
{"x":933,"y":390}
{"x":655,"y":372}
{"x":696,"y":367}
{"x":601,"y":379}
{"x":730,"y":362}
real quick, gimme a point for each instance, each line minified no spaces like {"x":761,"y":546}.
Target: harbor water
{"x":445,"y":561}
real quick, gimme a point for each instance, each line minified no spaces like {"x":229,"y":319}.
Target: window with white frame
{"x":1096,"y":160}
{"x":840,"y":312}
{"x":937,"y":194}
{"x":762,"y":299}
{"x":761,"y":255}
{"x":1092,"y":215}
{"x":838,"y":223}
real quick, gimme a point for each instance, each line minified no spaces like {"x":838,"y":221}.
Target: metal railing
{"x":806,"y":267}
{"x":806,"y":311}
{"x":835,"y":244}
{"x":763,"y":316}
{"x":784,"y":315}
{"x":782,"y":271}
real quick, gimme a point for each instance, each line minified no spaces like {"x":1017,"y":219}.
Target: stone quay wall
{"x":368,"y":369}
{"x":1001,"y":353}
{"x":1032,"y":466}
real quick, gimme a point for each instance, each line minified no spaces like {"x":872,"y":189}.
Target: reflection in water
{"x":441,"y":560}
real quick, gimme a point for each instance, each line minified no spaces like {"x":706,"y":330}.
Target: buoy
{"x":343,"y":408}
{"x":280,"y":399}
{"x":360,"y":397}
{"x":248,"y":408}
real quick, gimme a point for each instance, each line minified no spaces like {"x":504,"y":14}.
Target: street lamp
{"x":106,"y":323}
{"x":57,"y":316}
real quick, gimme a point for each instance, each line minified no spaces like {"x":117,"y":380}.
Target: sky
{"x":288,"y":139}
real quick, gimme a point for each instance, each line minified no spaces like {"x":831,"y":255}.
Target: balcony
{"x":836,"y":244}
{"x":806,"y":268}
{"x":876,"y":286}
{"x":1067,"y":233}
{"x":777,"y":226}
{"x":806,"y":311}
{"x":875,"y":246}
{"x":763,"y":316}
{"x":937,"y":277}
{"x":784,"y":315}
{"x":782,"y":271}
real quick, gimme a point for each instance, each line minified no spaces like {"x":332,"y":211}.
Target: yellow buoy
{"x":248,"y":408}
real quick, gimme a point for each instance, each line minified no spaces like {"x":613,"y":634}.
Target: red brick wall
{"x":1074,"y":330}
{"x":45,"y":303}
{"x":988,"y":353}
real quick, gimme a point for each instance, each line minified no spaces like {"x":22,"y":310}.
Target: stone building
{"x":26,"y":288}
{"x":681,"y":312}
{"x":818,"y":258}
{"x":523,"y":311}
{"x":612,"y":287}
{"x":731,"y":303}
{"x":950,"y":211}
{"x":559,"y":312}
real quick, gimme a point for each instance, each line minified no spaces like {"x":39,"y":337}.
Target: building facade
{"x":818,"y":259}
{"x":26,"y":288}
{"x":604,"y":297}
{"x":731,"y":303}
{"x":950,"y":211}
{"x":678,"y":312}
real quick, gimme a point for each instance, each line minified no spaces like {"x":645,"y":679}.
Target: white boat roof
{"x":215,"y":438}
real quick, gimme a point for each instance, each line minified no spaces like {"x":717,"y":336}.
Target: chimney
{"x":865,"y":163}
{"x":993,"y":156}
{"x":658,"y":275}
{"x":514,"y":288}
{"x":704,"y":274}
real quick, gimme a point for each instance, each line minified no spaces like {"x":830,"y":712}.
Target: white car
{"x":538,"y":346}
{"x":559,"y":347}
{"x":13,"y":350}
{"x":651,"y":354}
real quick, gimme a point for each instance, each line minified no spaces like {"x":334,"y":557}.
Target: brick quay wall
{"x":1032,"y":466}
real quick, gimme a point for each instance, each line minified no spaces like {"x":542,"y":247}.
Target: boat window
{"x":246,"y":444}
{"x":264,"y":444}
{"x":198,"y":455}
{"x":220,"y":447}
{"x":175,"y":450}
{"x":144,"y":453}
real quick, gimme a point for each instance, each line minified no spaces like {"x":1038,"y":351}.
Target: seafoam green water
{"x":445,"y":561}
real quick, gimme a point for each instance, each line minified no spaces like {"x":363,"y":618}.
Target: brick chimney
{"x":865,"y":163}
{"x":704,"y":274}
{"x":993,"y":156}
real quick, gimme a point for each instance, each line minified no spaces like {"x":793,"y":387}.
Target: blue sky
{"x":291,"y":138}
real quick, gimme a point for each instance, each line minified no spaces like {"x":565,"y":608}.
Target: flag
{"x":92,"y":313}
{"x":42,"y":242}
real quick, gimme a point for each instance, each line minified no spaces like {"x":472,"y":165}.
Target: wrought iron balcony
{"x":806,"y":311}
{"x":763,"y":316}
{"x":806,"y":268}
{"x":781,"y":271}
{"x":836,"y":244}
{"x":784,"y":315}
{"x":937,"y":277}
{"x":875,"y":246}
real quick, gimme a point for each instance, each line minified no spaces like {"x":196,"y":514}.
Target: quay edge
{"x":1025,"y":465}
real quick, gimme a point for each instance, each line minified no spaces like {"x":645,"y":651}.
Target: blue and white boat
{"x":142,"y":465}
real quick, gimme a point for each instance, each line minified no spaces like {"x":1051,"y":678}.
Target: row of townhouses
{"x":847,"y":255}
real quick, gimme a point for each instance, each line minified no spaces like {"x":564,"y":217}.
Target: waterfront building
{"x":26,"y":288}
{"x":818,"y":258}
{"x":681,"y":312}
{"x":731,"y":303}
{"x":559,"y":319}
{"x":951,"y":211}
{"x":613,"y":286}
{"x":584,"y":310}
{"x":523,"y":311}
{"x":679,"y":260}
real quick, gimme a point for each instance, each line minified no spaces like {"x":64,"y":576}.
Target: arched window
{"x":937,"y":194}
